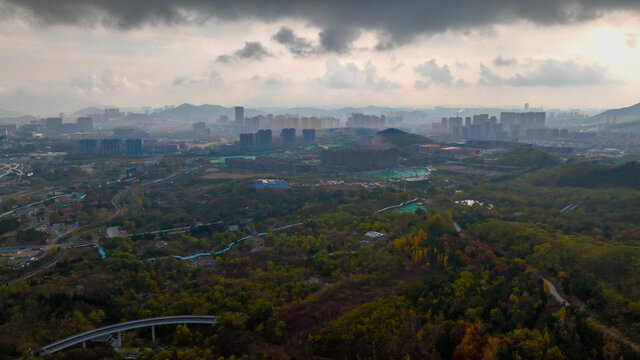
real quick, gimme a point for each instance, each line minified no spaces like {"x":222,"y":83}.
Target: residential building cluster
{"x":279,"y":122}
{"x":200,"y":129}
{"x":260,"y":138}
{"x":358,"y":120}
{"x":512,"y":125}
{"x":287,"y":137}
{"x":51,"y":125}
{"x":114,"y":146}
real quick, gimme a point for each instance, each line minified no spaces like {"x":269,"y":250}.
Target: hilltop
{"x":189,"y":110}
{"x":343,"y":135}
{"x":391,"y":138}
{"x":87,"y":111}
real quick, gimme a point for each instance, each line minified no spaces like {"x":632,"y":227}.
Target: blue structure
{"x":269,"y":184}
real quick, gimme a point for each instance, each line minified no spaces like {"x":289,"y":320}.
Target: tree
{"x":437,"y":225}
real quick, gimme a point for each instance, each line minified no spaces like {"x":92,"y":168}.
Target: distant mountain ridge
{"x":87,"y":111}
{"x":213,"y":111}
{"x":629,"y":113}
{"x":18,"y":119}
{"x":9,"y":114}
{"x":189,"y":110}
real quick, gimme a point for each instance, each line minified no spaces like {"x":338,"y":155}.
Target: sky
{"x":60,"y":55}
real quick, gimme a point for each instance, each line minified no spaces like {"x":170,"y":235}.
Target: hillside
{"x":343,"y":135}
{"x":391,"y":137}
{"x":528,"y":157}
{"x":630,"y":113}
{"x":87,"y":111}
{"x":204,"y":110}
{"x":9,"y":114}
{"x":589,"y":175}
{"x":17,"y":120}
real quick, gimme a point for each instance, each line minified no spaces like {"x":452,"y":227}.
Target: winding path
{"x":554,"y":292}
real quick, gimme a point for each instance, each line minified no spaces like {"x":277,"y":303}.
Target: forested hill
{"x":393,"y":138}
{"x":343,"y":135}
{"x":589,"y":175}
{"x":528,"y":157}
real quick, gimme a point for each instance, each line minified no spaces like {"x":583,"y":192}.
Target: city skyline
{"x":562,"y":54}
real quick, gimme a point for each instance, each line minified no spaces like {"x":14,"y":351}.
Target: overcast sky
{"x":56,"y":55}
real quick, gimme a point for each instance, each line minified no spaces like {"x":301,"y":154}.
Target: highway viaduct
{"x":82,"y":338}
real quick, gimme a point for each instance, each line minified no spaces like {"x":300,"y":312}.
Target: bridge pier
{"x":119,"y":339}
{"x":153,"y":332}
{"x":84,"y":344}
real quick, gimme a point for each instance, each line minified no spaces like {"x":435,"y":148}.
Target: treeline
{"x":589,"y":175}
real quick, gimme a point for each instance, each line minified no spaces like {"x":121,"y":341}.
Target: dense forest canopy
{"x":452,"y":280}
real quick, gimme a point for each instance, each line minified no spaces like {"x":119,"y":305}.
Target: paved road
{"x":609,"y":331}
{"x":7,"y":169}
{"x":34,"y":203}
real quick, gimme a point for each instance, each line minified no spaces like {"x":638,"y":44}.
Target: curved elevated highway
{"x":81,"y":338}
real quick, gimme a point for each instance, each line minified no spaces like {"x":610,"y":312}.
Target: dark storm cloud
{"x":332,"y":40}
{"x":252,"y":50}
{"x":550,"y":73}
{"x":338,"y":39}
{"x":396,"y":22}
{"x":298,"y":46}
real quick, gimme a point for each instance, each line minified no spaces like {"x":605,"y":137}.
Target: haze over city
{"x":562,"y":54}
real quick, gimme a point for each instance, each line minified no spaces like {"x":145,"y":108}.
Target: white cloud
{"x":631,"y":40}
{"x":549,"y":73}
{"x":108,"y":81}
{"x":437,"y":74}
{"x":434,"y":74}
{"x":488,"y":77}
{"x":270,"y":81}
{"x":350,"y":76}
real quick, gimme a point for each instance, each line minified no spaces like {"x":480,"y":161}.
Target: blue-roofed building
{"x":269,"y":184}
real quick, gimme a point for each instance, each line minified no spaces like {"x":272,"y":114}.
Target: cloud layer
{"x":350,"y":76}
{"x":550,"y":73}
{"x":396,"y":22}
